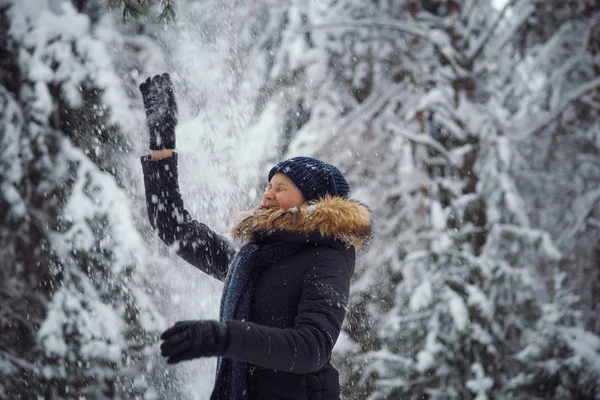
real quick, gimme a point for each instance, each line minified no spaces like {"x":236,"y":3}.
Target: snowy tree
{"x":556,"y":167}
{"x":75,"y":317}
{"x":469,"y":127}
{"x":432,"y":108}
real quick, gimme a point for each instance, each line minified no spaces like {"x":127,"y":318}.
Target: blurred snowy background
{"x":471,"y":128}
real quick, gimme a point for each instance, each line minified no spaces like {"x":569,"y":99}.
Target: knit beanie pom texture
{"x":313,"y":177}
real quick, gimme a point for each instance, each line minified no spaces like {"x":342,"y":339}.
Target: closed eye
{"x":277,"y":188}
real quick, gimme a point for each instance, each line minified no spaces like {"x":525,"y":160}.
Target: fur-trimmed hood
{"x":332,"y":217}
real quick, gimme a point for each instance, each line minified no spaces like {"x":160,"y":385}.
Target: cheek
{"x":281,"y":198}
{"x":284,"y":200}
{"x":290,"y":200}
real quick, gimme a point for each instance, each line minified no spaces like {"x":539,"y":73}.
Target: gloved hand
{"x":187,"y":340}
{"x":161,"y":111}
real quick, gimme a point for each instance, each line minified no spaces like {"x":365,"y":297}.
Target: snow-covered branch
{"x":423,"y":139}
{"x":468,"y":9}
{"x":388,"y":356}
{"x":478,"y":48}
{"x":359,"y":115}
{"x":509,"y":34}
{"x":572,"y":96}
{"x":434,"y":36}
{"x":595,"y":222}
{"x":19,"y":362}
{"x":591,"y":201}
{"x":403,"y":319}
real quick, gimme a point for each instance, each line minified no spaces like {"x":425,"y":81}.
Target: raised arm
{"x":194,"y":241}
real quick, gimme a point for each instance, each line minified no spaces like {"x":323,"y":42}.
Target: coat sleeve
{"x":307,"y":346}
{"x":195,"y":242}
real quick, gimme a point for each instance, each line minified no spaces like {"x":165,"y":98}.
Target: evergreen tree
{"x":76,"y":319}
{"x":471,"y":132}
{"x":426,"y":104}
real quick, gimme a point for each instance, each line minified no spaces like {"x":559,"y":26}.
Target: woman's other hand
{"x":187,"y":340}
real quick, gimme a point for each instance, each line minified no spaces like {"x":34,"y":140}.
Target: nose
{"x":268,"y":195}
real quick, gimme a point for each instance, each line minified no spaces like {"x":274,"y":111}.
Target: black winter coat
{"x":298,"y":304}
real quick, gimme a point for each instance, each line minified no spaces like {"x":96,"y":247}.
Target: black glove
{"x":161,"y":111}
{"x":187,"y":340}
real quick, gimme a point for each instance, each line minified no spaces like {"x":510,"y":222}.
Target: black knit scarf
{"x":236,"y":301}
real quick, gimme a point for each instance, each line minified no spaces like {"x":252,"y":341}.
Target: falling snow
{"x":478,"y":158}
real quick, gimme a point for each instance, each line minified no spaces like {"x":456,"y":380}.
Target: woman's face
{"x":282,"y":193}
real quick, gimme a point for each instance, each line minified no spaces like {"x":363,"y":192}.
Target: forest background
{"x":470,"y":128}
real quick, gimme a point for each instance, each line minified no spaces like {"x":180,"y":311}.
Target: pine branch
{"x":133,"y":10}
{"x":130,"y":12}
{"x":113,"y":3}
{"x":167,"y":15}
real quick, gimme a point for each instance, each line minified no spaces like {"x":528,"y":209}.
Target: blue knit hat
{"x":314,"y":178}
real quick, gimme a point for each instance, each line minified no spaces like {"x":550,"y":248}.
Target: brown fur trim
{"x":333,"y":217}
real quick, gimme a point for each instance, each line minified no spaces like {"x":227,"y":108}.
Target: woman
{"x":286,"y":290}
